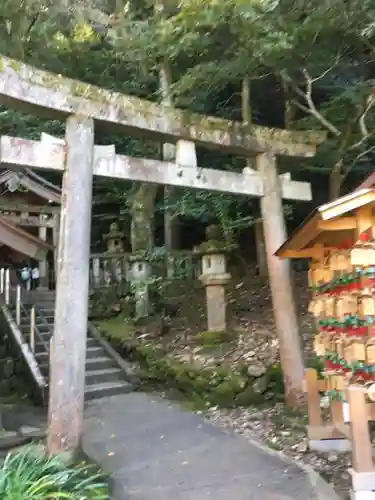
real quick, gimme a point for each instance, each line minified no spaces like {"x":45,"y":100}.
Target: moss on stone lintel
{"x":145,"y":115}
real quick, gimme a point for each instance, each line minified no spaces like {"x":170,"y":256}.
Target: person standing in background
{"x":25,"y":276}
{"x":35,"y":276}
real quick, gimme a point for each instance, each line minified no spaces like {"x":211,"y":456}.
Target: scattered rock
{"x":11,"y":439}
{"x":256,"y":369}
{"x":332,"y":457}
{"x":32,"y":432}
{"x":301,"y":447}
{"x":260,"y":385}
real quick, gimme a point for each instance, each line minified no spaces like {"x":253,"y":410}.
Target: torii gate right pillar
{"x":280,"y":278}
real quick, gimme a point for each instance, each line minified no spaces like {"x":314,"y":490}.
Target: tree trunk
{"x":335,"y":180}
{"x":281,"y":282}
{"x":258,"y":230}
{"x":290,"y":108}
{"x":260,"y":246}
{"x":142,"y":218}
{"x":171,"y":221}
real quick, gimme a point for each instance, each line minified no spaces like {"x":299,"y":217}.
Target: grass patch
{"x":213,"y":338}
{"x":117,"y":328}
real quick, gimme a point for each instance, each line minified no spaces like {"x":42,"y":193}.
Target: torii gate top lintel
{"x":25,"y":87}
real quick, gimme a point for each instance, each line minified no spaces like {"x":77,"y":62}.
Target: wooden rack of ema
{"x":339,"y":238}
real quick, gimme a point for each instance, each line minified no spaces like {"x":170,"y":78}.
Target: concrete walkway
{"x":154,"y":450}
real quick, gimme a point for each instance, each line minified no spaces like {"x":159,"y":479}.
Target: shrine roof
{"x":327,"y":226}
{"x":34,"y":183}
{"x":369,"y":182}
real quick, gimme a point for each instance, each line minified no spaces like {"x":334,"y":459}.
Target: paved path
{"x":155,"y":450}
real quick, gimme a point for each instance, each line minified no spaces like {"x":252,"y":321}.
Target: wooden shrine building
{"x":29,"y":219}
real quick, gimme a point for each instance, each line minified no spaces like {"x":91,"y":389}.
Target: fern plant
{"x":28,"y":475}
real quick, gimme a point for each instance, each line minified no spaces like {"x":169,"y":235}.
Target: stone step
{"x":106,"y":389}
{"x":103,"y":376}
{"x":94,"y":377}
{"x":100,"y":363}
{"x":46,"y":319}
{"x":46,"y":310}
{"x":47,"y":302}
{"x":92,"y":352}
{"x":46,"y":336}
{"x":95,"y":351}
{"x":92,"y":364}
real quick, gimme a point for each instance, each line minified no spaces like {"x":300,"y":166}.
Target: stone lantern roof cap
{"x":215,"y":243}
{"x":114,"y":232}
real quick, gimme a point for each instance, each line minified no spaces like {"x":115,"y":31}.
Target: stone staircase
{"x":104,"y":376}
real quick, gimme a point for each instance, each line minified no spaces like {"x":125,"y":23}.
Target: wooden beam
{"x":22,"y":241}
{"x":301,"y":237}
{"x":46,"y":155}
{"x":27,"y":221}
{"x":364,"y":219}
{"x":9,"y":206}
{"x":361,"y":439}
{"x":316,"y":252}
{"x":28,"y":88}
{"x":40,"y":190}
{"x":327,"y":431}
{"x":346,"y":204}
{"x":341,"y":224}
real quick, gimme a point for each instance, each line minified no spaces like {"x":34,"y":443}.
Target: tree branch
{"x":307,"y":97}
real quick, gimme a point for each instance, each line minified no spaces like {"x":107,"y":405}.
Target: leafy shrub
{"x":29,"y":475}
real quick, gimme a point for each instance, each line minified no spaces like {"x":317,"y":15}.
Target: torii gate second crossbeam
{"x":49,"y":154}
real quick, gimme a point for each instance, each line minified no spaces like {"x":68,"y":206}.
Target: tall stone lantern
{"x":114,"y":239}
{"x":214,"y":277}
{"x":115,"y":245}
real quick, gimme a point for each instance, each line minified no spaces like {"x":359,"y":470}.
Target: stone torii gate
{"x":37,"y":91}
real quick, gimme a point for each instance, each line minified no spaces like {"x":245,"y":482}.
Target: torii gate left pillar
{"x":70,"y":329}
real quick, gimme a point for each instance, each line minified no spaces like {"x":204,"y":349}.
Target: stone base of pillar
{"x":215,"y":301}
{"x":216,"y":309}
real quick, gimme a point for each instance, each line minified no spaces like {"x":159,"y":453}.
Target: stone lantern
{"x":114,"y":239}
{"x":214,"y":277}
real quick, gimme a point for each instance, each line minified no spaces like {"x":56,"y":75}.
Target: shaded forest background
{"x":294,"y":64}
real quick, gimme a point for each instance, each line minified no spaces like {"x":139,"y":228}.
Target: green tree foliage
{"x":311,"y":57}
